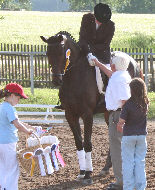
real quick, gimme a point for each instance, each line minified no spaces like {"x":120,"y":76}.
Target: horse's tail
{"x":141,"y":74}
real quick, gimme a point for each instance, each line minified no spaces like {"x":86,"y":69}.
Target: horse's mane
{"x":76,"y":43}
{"x":68,"y":35}
{"x":71,"y":38}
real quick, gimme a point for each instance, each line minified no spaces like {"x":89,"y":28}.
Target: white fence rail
{"x":47,"y":113}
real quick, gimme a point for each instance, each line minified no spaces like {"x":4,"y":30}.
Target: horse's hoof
{"x":114,"y":186}
{"x":80,"y":177}
{"x":104,"y":172}
{"x":87,"y":181}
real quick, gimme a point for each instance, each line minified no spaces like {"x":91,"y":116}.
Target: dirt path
{"x":64,"y":179}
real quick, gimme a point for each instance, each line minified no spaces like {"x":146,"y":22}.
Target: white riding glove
{"x":90,"y":58}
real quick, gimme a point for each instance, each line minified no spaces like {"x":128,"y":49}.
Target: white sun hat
{"x":121,"y":60}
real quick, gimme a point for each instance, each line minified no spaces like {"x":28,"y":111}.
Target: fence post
{"x":146,"y":70}
{"x":32,"y":74}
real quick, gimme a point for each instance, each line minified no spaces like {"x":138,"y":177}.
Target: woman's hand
{"x":120,"y":128}
{"x":30,"y":132}
{"x":120,"y":125}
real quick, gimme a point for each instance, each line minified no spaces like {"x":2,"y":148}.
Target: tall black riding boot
{"x":60,"y":107}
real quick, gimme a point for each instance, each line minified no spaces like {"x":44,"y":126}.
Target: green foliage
{"x":15,"y":4}
{"x":81,"y":5}
{"x":138,"y":6}
{"x":126,"y":6}
{"x":137,"y":40}
{"x":141,"y":40}
{"x":151,"y":113}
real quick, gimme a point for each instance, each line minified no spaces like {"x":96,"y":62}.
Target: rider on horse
{"x":96,"y":33}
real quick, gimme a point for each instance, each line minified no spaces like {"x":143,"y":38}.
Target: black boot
{"x":59,"y":107}
{"x":101,"y":100}
{"x":101,"y":106}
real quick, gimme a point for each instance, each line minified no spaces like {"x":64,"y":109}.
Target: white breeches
{"x":9,"y":169}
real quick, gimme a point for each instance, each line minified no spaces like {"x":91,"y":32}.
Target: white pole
{"x":32,"y":74}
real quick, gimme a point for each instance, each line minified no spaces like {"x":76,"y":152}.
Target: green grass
{"x":22,"y":27}
{"x":50,"y":96}
{"x":151,"y":114}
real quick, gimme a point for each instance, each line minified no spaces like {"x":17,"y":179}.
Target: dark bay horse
{"x":78,"y":93}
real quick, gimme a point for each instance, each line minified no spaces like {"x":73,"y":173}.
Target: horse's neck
{"x":75,"y":52}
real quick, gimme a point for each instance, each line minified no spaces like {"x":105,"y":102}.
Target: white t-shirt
{"x":117,"y":90}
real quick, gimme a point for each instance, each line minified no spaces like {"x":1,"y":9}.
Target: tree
{"x":139,"y":6}
{"x":15,"y":4}
{"x":129,"y":6}
{"x":89,"y":4}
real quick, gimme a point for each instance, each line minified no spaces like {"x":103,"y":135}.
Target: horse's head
{"x":56,"y":52}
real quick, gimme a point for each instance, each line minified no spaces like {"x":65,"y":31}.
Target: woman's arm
{"x":103,"y":67}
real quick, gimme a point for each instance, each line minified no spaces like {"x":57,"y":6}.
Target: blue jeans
{"x":134,"y":150}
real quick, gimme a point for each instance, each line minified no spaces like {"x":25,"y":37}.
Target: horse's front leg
{"x":88,"y":122}
{"x":73,"y":121}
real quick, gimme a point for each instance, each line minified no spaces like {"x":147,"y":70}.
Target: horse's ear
{"x":44,"y":39}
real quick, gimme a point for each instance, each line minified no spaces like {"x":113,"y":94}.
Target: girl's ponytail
{"x":3,"y":93}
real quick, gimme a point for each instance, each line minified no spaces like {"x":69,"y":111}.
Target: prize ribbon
{"x":60,"y":157}
{"x":55,"y":163}
{"x":67,"y":59}
{"x":29,"y":155}
{"x":39,"y":153}
{"x":50,"y":169}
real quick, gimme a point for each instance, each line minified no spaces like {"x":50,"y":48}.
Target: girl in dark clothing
{"x":132,"y":123}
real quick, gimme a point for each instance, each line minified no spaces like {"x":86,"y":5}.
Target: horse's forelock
{"x":64,"y":39}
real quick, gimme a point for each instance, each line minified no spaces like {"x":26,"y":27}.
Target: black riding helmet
{"x":102,"y":12}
